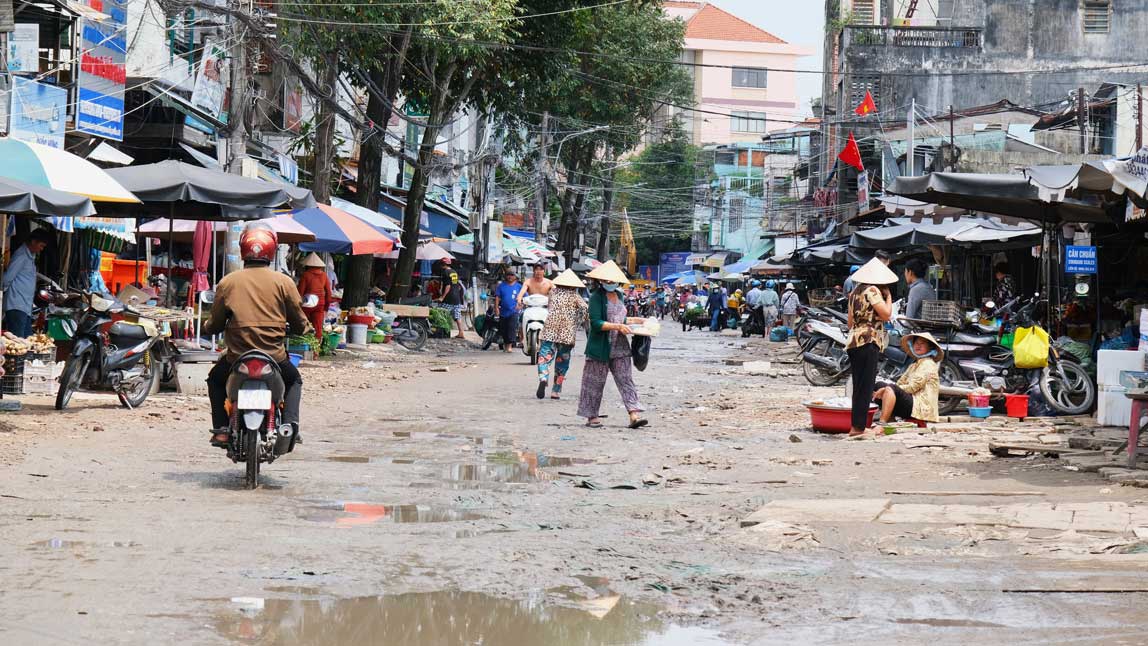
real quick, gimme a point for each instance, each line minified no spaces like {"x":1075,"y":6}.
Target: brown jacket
{"x":253,"y":309}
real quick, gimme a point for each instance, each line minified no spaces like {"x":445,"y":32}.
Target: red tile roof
{"x":712,"y":23}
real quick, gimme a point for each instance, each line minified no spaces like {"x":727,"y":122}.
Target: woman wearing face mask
{"x":915,"y":394}
{"x":608,"y":349}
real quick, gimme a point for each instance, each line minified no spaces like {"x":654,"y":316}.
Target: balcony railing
{"x":872,"y":35}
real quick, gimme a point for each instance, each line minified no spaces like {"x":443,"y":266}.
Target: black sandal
{"x":221,"y":439}
{"x":638,"y":423}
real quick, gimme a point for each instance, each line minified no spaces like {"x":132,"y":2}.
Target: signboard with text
{"x":24,"y":48}
{"x":100,"y":84}
{"x":1079,"y":260}
{"x":672,"y":263}
{"x":38,"y":112}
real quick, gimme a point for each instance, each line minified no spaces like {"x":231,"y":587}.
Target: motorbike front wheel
{"x":949,"y":374}
{"x":817,"y":375}
{"x":489,"y":335}
{"x":410,"y":334}
{"x":1067,"y":387}
{"x":251,"y":448}
{"x":70,"y":379}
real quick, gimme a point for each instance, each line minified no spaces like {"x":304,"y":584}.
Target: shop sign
{"x":494,"y":251}
{"x":24,"y":48}
{"x":672,"y":263}
{"x":1079,"y":260}
{"x":38,"y":112}
{"x":103,"y":73}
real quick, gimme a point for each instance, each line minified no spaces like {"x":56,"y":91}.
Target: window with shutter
{"x":864,"y":12}
{"x":1097,"y":16}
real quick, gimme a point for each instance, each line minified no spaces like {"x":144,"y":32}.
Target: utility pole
{"x":1139,"y":117}
{"x":1082,"y":121}
{"x":952,"y":139}
{"x":237,"y":139}
{"x":910,"y":158}
{"x":541,"y":226}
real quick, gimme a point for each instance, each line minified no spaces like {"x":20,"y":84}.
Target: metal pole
{"x":1139,"y":120}
{"x":1081,"y":121}
{"x":540,"y":224}
{"x":952,"y":140}
{"x":909,"y":159}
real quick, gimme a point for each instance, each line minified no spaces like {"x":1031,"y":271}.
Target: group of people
{"x":762,"y":301}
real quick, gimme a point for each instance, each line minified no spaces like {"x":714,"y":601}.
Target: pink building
{"x":745,"y":85}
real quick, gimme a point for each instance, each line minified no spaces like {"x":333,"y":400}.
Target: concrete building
{"x":744,"y":96}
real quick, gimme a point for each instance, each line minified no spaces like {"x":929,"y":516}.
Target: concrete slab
{"x":1101,"y":520}
{"x":948,"y":515}
{"x":846,"y":510}
{"x":1040,"y":516}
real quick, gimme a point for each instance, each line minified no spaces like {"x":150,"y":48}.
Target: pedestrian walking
{"x":770,"y":306}
{"x":608,"y":349}
{"x":789,"y":302}
{"x":506,"y":304}
{"x":19,"y":284}
{"x":314,"y":282}
{"x":566,"y":313}
{"x":452,"y":297}
{"x":715,"y":302}
{"x":870,"y":305}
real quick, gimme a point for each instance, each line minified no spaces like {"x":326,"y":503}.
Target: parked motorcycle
{"x":487,"y":327}
{"x":255,"y":392}
{"x":533,"y":319}
{"x":123,"y":357}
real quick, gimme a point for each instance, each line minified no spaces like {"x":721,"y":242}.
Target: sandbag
{"x":640,"y":351}
{"x":1030,"y":347}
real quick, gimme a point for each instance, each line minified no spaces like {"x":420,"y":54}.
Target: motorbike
{"x":121,"y":356}
{"x":487,"y":327}
{"x":533,"y":319}
{"x":255,"y":392}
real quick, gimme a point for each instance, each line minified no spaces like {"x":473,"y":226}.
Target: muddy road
{"x":436,"y":501}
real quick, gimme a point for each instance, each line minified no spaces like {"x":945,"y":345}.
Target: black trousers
{"x":863,"y":361}
{"x":508,"y":326}
{"x":217,"y":392}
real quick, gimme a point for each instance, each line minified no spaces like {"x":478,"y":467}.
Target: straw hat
{"x":313,"y":260}
{"x":874,"y":272}
{"x":609,"y":272}
{"x":907,"y":344}
{"x":568,"y":279}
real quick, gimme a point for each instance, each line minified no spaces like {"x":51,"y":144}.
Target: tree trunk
{"x":324,"y":151}
{"x":360,"y":268}
{"x":603,"y":248}
{"x":412,"y":212}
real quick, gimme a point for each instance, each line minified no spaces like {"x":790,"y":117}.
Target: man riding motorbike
{"x":254,"y":309}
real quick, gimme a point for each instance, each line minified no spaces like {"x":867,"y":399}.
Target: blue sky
{"x":800,"y":22}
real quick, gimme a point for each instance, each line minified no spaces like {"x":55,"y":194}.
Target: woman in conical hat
{"x":916,"y":393}
{"x":565,"y":315}
{"x":870,"y":305}
{"x":314,"y":281}
{"x":608,"y":349}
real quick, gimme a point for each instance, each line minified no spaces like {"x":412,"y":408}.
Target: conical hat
{"x":874,"y":272}
{"x":568,"y":279}
{"x":313,"y":260}
{"x":609,"y":272}
{"x":907,"y":343}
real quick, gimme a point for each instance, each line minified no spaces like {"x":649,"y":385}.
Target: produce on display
{"x":35,"y":344}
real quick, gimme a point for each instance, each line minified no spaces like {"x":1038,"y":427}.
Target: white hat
{"x":874,"y":272}
{"x":313,"y":260}
{"x":609,"y":272}
{"x":907,"y":343}
{"x":789,"y":286}
{"x":568,"y":279}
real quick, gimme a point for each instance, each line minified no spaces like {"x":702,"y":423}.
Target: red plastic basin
{"x":361,"y":319}
{"x":835,"y":420}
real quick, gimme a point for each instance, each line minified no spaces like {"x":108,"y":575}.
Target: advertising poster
{"x":38,"y":112}
{"x":672,"y":263}
{"x":100,"y":84}
{"x":24,"y":48}
{"x":211,"y":80}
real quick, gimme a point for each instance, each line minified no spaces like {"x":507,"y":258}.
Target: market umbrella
{"x":377,"y":220}
{"x":338,"y":232}
{"x":183,"y":191}
{"x":21,"y":198}
{"x":288,"y":230}
{"x":200,"y":256}
{"x":426,"y":251}
{"x":1012,"y":196}
{"x":61,"y":170}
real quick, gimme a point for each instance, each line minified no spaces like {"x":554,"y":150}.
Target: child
{"x":916,"y":393}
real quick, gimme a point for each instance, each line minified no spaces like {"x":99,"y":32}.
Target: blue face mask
{"x":928,"y":355}
{"x":610,"y":287}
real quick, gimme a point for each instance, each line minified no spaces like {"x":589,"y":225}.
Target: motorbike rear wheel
{"x":949,"y":373}
{"x":73,"y":374}
{"x":251,"y":440}
{"x":816,"y":375}
{"x":134,"y":397}
{"x":532,"y":346}
{"x":1072,"y":394}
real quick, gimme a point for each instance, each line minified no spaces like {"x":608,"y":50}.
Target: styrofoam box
{"x":1112,"y":407}
{"x":1110,"y":363}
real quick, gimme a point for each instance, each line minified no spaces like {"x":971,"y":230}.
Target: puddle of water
{"x":353,"y":514}
{"x":473,"y":439}
{"x":452,"y":618}
{"x":515,"y":467}
{"x":364,"y":459}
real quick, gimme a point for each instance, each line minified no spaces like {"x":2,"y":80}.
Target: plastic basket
{"x":822,"y":297}
{"x":948,"y":312}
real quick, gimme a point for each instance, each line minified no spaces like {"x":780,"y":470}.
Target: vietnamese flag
{"x":851,"y":154}
{"x":867,"y":105}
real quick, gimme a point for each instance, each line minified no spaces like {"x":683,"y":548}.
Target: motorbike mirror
{"x":207,"y":296}
{"x":311,"y":300}
{"x":990,"y":305}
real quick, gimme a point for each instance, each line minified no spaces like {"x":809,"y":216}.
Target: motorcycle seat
{"x":974,"y":339}
{"x":840,"y":316}
{"x":121,"y":330}
{"x":985,"y":329}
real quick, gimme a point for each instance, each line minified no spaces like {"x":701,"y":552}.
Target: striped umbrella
{"x":59,"y":169}
{"x":339,"y":232}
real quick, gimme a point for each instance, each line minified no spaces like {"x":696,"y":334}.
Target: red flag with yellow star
{"x":851,"y":154}
{"x":867,"y":105}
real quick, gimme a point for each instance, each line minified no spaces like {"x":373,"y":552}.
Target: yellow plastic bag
{"x":1030,"y":347}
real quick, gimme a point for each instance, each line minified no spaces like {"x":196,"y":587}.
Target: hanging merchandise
{"x":1030,"y":347}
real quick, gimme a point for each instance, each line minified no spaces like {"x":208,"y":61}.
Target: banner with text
{"x":38,"y":112}
{"x":672,"y":262}
{"x":100,"y":85}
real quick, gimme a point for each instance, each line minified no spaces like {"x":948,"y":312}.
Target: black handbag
{"x":640,"y":351}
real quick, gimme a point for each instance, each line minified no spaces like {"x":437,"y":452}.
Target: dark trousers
{"x":18,"y":323}
{"x":863,"y":361}
{"x":217,"y":392}
{"x":508,"y":327}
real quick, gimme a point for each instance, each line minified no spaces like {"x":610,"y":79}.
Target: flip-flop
{"x":594,"y":424}
{"x":555,"y":397}
{"x":639,"y":423}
